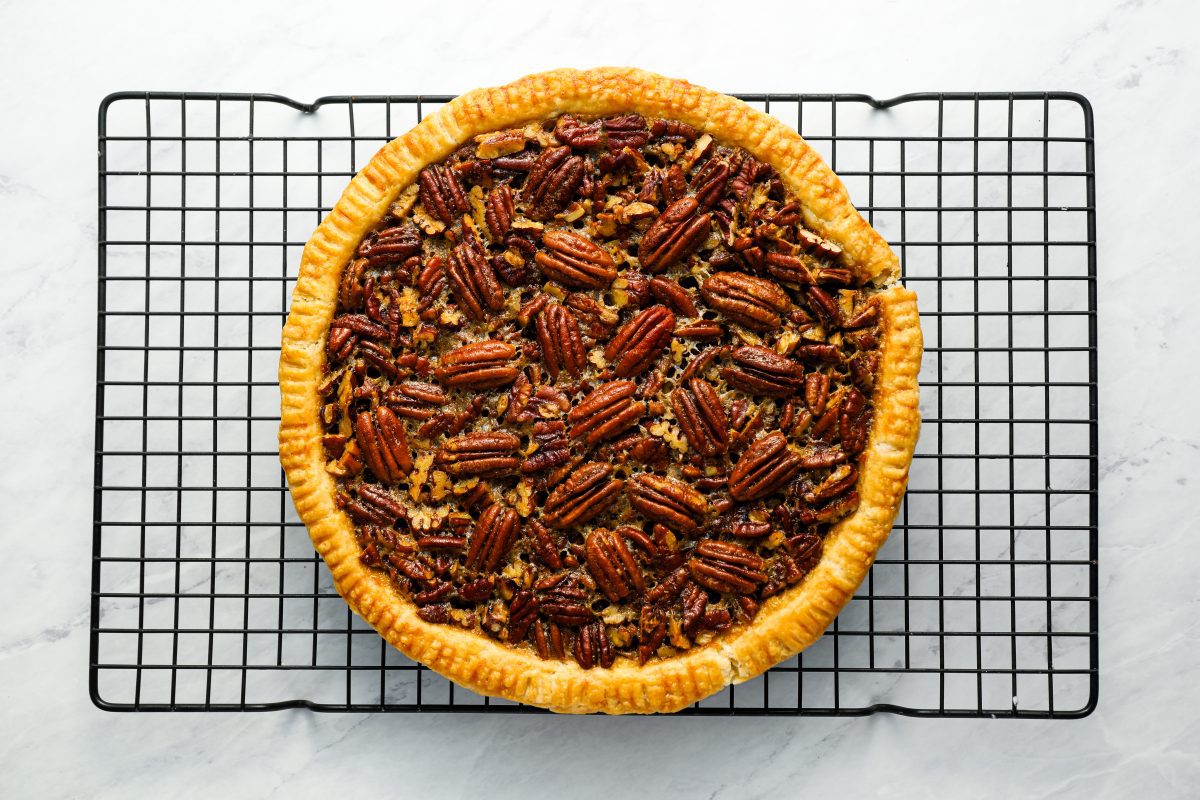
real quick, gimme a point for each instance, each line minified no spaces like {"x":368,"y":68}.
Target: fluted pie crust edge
{"x":788,"y":622}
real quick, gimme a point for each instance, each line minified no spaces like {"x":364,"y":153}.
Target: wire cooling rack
{"x":207,"y":595}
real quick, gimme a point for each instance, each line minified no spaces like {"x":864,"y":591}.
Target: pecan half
{"x":786,"y":268}
{"x":552,"y":182}
{"x":498,"y":211}
{"x":375,"y":506}
{"x":416,"y":399}
{"x":552,"y":448}
{"x":442,"y":194}
{"x":384,"y":444}
{"x":592,"y":647}
{"x":763,"y":372}
{"x":825,"y":306}
{"x":608,"y":410}
{"x":612,"y":565}
{"x":673,"y":503}
{"x":561,"y":341}
{"x":854,"y":422}
{"x":390,"y":246}
{"x":479,"y":365}
{"x":472,"y":278}
{"x":586,"y":493}
{"x":726,"y":567}
{"x":493,"y":537}
{"x":486,"y":454}
{"x":766,"y":466}
{"x":678,"y":231}
{"x":675,"y":296}
{"x":816,"y":392}
{"x":745,"y":299}
{"x":702,"y":418}
{"x":640,"y":341}
{"x":575,"y":261}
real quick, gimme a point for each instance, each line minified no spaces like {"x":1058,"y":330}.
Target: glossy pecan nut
{"x":561,"y":341}
{"x":592,"y":647}
{"x":816,"y":392}
{"x":673,"y":503}
{"x":677,"y":232}
{"x":552,"y":182}
{"x":553,"y":449}
{"x":484,"y":454}
{"x":640,"y":341}
{"x":479,"y":365}
{"x":746,"y":300}
{"x":763,"y":372}
{"x":854,"y":422}
{"x":612,"y":565}
{"x":787,"y":268}
{"x":575,"y":261}
{"x":495,"y":532}
{"x":384,"y":444}
{"x":589,"y":491}
{"x":610,"y":409}
{"x":442,"y":194}
{"x":766,"y":467}
{"x":472,"y":279}
{"x":389,"y":246}
{"x":677,"y":298}
{"x":726,"y":567}
{"x":701,"y":417}
{"x":416,"y":399}
{"x":375,"y":506}
{"x":498,"y":211}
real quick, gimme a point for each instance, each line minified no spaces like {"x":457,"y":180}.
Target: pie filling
{"x":593,"y":389}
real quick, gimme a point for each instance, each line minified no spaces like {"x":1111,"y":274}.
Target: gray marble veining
{"x":1136,"y":61}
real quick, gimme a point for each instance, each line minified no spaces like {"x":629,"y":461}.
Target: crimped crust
{"x":788,"y":622}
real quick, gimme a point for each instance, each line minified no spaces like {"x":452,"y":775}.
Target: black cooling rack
{"x":206,"y":593}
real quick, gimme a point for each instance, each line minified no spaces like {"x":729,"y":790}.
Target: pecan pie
{"x":598,"y":394}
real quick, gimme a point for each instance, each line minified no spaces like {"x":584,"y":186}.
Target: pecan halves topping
{"x":552,"y":447}
{"x":747,"y":300}
{"x":786,"y":268}
{"x":589,"y":491}
{"x":562,"y":346}
{"x":674,"y":296}
{"x":575,"y":261}
{"x":442,"y":194}
{"x":726,"y":567}
{"x":481,"y":453}
{"x":702,"y":418}
{"x":678,"y":231}
{"x":612,"y":565}
{"x":767,"y":466}
{"x":384,"y":444}
{"x":390,"y":246}
{"x":641,"y":388}
{"x":592,"y":647}
{"x":763,"y":372}
{"x":375,"y":506}
{"x":640,"y":341}
{"x":854,"y":422}
{"x":416,"y":399}
{"x":498,"y":211}
{"x":608,"y":410}
{"x":552,"y":182}
{"x":673,"y":503}
{"x":495,"y":532}
{"x":479,"y":365}
{"x":472,"y":278}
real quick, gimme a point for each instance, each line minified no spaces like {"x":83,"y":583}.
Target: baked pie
{"x":598,"y":394}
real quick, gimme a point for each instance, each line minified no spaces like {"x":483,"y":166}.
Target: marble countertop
{"x":1137,"y":61}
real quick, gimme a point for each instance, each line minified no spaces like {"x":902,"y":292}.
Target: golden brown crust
{"x":788,"y":622}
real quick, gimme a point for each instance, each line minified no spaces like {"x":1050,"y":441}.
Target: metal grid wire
{"x":206,"y":593}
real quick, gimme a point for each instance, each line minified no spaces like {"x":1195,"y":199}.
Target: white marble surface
{"x":1138,"y":63}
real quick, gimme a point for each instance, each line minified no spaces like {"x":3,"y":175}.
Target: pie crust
{"x":787,"y":622}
